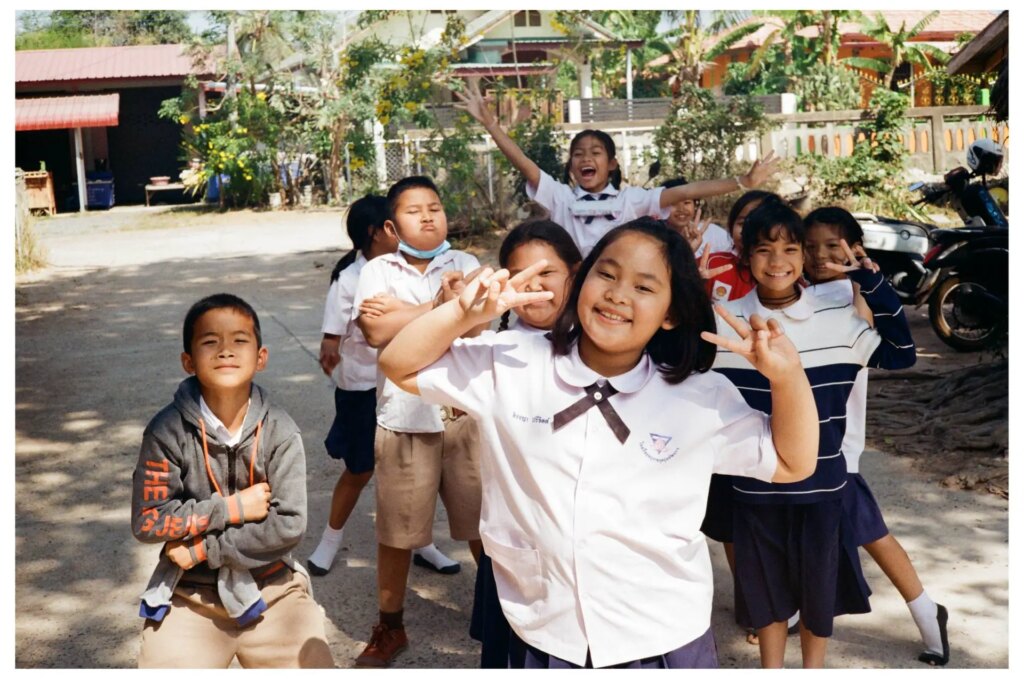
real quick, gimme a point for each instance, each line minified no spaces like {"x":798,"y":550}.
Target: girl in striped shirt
{"x":794,"y":547}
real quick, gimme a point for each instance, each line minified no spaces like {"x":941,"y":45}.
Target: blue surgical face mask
{"x":423,"y":254}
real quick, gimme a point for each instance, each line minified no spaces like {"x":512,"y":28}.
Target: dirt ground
{"x":97,"y":344}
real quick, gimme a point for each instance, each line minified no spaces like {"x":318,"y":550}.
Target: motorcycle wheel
{"x":956,"y":325}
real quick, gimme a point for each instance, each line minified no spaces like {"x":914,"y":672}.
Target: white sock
{"x":330,"y":542}
{"x":434,"y":556}
{"x":793,"y":620}
{"x":925,"y":612}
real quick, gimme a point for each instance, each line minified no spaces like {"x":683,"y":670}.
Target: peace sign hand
{"x":492,"y":293}
{"x":474,"y":103}
{"x":706,"y":273}
{"x":761,"y":170}
{"x":763,"y":344}
{"x":694,"y":231}
{"x":855,"y":258}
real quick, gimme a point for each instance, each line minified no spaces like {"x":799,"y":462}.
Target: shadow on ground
{"x":97,"y":355}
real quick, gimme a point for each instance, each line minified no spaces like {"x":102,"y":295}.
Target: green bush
{"x":699,"y":138}
{"x":873,"y":173}
{"x":828,"y":88}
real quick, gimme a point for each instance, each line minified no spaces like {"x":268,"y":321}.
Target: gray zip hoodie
{"x":175,"y":498}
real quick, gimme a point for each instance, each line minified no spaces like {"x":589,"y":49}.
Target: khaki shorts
{"x":198,"y":633}
{"x":413,"y":469}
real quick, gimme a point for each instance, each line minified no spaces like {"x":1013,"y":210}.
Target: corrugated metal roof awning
{"x":103,"y":63}
{"x":58,"y":113}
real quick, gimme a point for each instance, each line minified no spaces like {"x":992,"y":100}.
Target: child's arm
{"x":330,"y":355}
{"x":474,"y":103}
{"x":794,"y":417}
{"x":381,"y":319}
{"x":897,"y":348}
{"x":484,"y":298}
{"x":256,"y":544}
{"x":333,"y":328}
{"x":863,"y":310}
{"x":161,"y":511}
{"x":760,"y":171}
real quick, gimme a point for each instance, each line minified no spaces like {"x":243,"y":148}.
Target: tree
{"x":95,"y":28}
{"x":695,"y":42}
{"x":900,"y":45}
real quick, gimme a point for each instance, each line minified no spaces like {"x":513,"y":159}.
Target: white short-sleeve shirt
{"x":596,"y":543}
{"x":716,"y":238}
{"x":570,"y":211}
{"x":390,"y":274}
{"x":357,"y":370}
{"x":841,"y":291}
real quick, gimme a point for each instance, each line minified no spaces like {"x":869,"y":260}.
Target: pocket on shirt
{"x":519,"y":576}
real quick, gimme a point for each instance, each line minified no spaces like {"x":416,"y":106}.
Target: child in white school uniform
{"x":416,"y":455}
{"x":601,"y":443}
{"x":685,"y":217}
{"x":595,"y":202}
{"x":793,"y":542}
{"x":347,"y":359}
{"x":525,"y":245}
{"x":831,"y":233}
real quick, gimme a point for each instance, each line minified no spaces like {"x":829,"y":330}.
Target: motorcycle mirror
{"x":654,"y":170}
{"x":915,"y":186}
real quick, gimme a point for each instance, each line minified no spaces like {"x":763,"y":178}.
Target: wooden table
{"x":152,"y":188}
{"x":39,"y":189}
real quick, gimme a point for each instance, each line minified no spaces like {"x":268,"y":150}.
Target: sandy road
{"x":98,"y":338}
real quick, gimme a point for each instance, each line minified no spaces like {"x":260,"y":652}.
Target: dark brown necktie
{"x":603,"y":196}
{"x":597,"y":395}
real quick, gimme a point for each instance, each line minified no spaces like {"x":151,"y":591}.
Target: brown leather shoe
{"x":385,"y":645}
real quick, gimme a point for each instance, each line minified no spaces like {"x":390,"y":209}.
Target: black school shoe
{"x":930,"y":658}
{"x":444,"y":570}
{"x":316,"y":570}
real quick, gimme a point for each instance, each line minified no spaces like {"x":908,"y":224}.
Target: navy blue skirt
{"x":699,"y":654}
{"x":863,"y":511}
{"x":717,"y":523}
{"x":353,"y":430}
{"x":797,"y":557}
{"x":488,"y":624}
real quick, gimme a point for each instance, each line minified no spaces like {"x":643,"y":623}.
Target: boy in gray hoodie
{"x":221,"y":483}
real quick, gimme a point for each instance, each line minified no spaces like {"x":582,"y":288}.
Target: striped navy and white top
{"x":834,"y":344}
{"x":892,"y":325}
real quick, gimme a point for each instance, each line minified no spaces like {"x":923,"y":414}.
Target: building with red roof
{"x":91,"y":113}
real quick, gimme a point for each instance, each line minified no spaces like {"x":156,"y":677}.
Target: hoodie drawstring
{"x":252,"y":457}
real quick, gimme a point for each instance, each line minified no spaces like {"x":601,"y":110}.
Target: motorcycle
{"x":900,"y":246}
{"x":966,"y":283}
{"x":967,"y":287}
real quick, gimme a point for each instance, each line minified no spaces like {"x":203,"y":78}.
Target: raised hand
{"x":475,"y":104}
{"x":492,"y":293}
{"x":856,"y":258}
{"x":694,"y":231}
{"x":763,"y":344}
{"x":706,"y":273}
{"x":452,"y":285}
{"x":329,"y":356}
{"x":761,"y":170}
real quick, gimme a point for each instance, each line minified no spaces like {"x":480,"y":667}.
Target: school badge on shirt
{"x":720,"y":291}
{"x":658,"y":448}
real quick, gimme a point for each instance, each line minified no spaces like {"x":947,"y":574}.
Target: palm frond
{"x":920,"y":25}
{"x":730,"y":39}
{"x":866,"y":63}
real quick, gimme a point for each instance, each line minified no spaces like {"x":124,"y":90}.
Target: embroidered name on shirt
{"x":657,"y":449}
{"x":527,"y":419}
